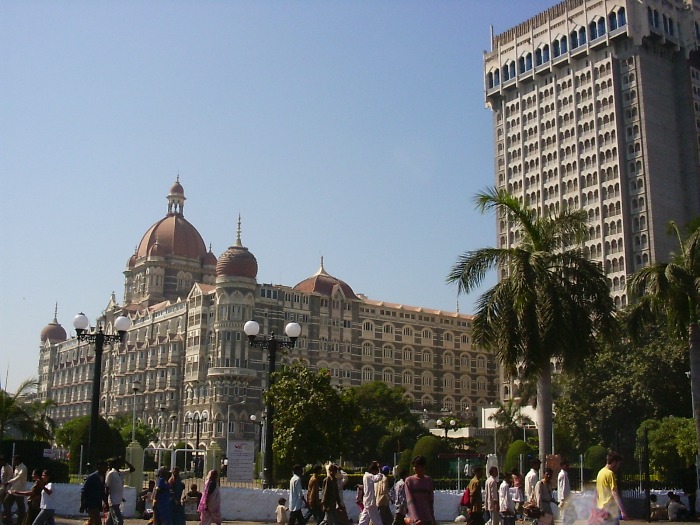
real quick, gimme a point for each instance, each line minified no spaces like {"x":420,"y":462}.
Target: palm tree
{"x":550,"y":300}
{"x":509,"y":421}
{"x":672,"y":290}
{"x":22,"y":413}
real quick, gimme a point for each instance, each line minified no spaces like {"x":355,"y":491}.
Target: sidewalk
{"x":72,"y":520}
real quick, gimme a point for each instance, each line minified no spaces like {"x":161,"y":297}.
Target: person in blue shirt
{"x":93,"y":496}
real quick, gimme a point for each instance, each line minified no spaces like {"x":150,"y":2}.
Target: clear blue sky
{"x":355,"y":130}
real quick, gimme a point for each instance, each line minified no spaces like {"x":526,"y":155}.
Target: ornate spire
{"x":176,"y":198}
{"x":55,"y":313}
{"x":321,"y":270}
{"x":238,"y":231}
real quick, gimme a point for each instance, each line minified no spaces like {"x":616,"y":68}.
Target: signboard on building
{"x":241,"y":460}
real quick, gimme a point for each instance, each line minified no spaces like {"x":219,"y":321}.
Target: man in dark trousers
{"x":93,"y":496}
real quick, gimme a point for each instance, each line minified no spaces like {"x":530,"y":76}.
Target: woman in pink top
{"x":419,"y":495}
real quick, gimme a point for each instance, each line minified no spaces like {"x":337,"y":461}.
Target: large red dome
{"x":173,"y":234}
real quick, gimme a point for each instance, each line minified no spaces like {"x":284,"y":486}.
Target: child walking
{"x":281,"y":512}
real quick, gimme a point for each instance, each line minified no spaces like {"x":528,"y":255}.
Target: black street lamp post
{"x":271,"y":344}
{"x":99,"y":338}
{"x":198,"y":426}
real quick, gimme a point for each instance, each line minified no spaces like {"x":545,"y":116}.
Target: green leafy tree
{"x":550,"y":299}
{"x":671,"y":443}
{"x":75,"y":434}
{"x":25,"y":415}
{"x":624,"y":383}
{"x":670,"y":290}
{"x":145,"y":433}
{"x":310,"y":419}
{"x":381,"y":422}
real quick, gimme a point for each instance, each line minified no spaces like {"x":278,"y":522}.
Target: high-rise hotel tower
{"x":596,"y":105}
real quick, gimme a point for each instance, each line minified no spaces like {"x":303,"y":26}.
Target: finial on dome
{"x":457,"y":305}
{"x":210,"y":247}
{"x":238,"y":231}
{"x":321,"y":270}
{"x":177,"y":179}
{"x":55,"y":313}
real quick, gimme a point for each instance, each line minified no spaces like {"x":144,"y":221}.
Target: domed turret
{"x":209,"y":259}
{"x":53,"y":332}
{"x":323,"y":283}
{"x":237,"y":261}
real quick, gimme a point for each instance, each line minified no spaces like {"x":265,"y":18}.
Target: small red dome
{"x":53,"y":332}
{"x":209,"y":259}
{"x":323,"y":283}
{"x":237,"y":261}
{"x":156,"y":250}
{"x":176,"y":188}
{"x":131,"y":262}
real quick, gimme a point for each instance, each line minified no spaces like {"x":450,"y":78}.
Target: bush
{"x":595,"y":458}
{"x":513,"y":455}
{"x":430,"y":447}
{"x":405,"y":461}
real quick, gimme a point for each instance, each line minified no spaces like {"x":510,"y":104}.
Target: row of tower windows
{"x":560,"y":46}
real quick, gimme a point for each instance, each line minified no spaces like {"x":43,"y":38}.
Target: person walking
{"x":543,"y":498}
{"x":369,"y":498}
{"x":383,"y":501}
{"x":5,"y":476}
{"x":399,"y":489}
{"x":93,"y":495}
{"x":313,"y":498}
{"x":331,"y":501}
{"x":162,"y":498}
{"x":47,"y":506}
{"x":177,"y":507}
{"x":492,"y":505}
{"x":210,"y":504}
{"x":420,"y":494}
{"x":281,"y":512}
{"x":563,"y":485}
{"x":505,"y":500}
{"x":17,"y":483}
{"x":114,"y":484}
{"x":531,"y":479}
{"x":518,"y":493}
{"x":296,"y":497}
{"x":476,"y":504}
{"x":607,"y":495}
{"x":33,"y":497}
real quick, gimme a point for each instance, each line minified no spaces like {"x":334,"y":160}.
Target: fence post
{"x":647,"y":484}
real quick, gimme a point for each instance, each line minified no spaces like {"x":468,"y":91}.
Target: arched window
{"x":556,"y":49}
{"x":545,"y":53}
{"x":593,"y":30}
{"x":538,"y":57}
{"x":563,"y":44}
{"x":601,"y":26}
{"x":621,"y":17}
{"x":582,"y":36}
{"x":574,"y":39}
{"x":612,"y":21}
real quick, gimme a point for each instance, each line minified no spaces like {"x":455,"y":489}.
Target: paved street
{"x":80,"y":521}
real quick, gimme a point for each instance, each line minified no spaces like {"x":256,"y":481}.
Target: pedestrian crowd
{"x":412,"y":496}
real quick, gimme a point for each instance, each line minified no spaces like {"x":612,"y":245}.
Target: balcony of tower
{"x":232,"y":372}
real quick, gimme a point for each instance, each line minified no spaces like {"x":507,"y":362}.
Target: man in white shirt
{"x":114,"y":482}
{"x":563,"y":486}
{"x":17,"y":482}
{"x":505,"y":501}
{"x":492,"y":505}
{"x":369,"y":500}
{"x":531,"y":479}
{"x":5,"y":476}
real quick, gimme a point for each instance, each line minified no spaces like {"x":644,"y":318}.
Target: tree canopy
{"x":381,"y":422}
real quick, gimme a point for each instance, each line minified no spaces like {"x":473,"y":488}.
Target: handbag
{"x":598,"y":516}
{"x":531,"y":510}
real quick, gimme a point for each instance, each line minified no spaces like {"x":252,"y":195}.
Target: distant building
{"x":596,"y":106}
{"x":189,"y":352}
